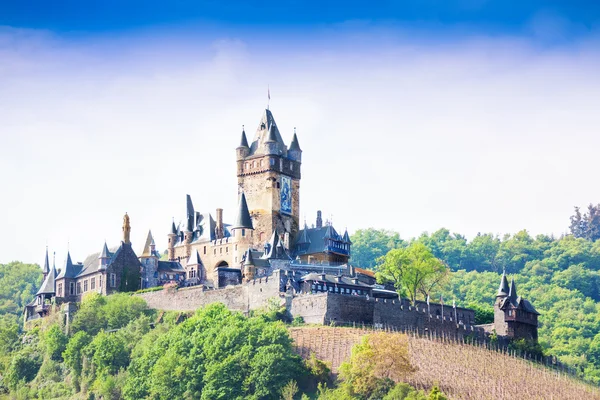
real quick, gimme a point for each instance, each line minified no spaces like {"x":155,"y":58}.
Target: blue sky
{"x":473,"y":115}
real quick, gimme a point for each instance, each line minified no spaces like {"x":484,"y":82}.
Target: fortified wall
{"x":321,"y":308}
{"x":245,"y":297}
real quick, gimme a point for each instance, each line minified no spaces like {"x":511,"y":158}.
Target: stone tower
{"x":269,"y":176}
{"x":514,"y":316}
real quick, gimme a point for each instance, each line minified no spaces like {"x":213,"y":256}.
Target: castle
{"x":265,"y":254}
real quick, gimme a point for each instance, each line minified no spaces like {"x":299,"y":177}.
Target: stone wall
{"x":246,"y":297}
{"x":312,"y":308}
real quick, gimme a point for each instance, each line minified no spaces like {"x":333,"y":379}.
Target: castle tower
{"x":46,"y":268}
{"x":104,"y":257}
{"x":149,"y":261}
{"x":126,"y":229}
{"x":514,"y":316}
{"x":171,"y":242}
{"x":242,"y":228}
{"x":269,"y":176}
{"x":190,"y":226}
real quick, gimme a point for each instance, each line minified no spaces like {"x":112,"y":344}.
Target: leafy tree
{"x":18,"y":284}
{"x":9,"y":334}
{"x":23,"y":368}
{"x":107,"y":352}
{"x":368,"y":245}
{"x":55,"y":342}
{"x":413,"y":269}
{"x":73,"y":354}
{"x":586,"y":226}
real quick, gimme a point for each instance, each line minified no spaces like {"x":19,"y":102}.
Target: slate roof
{"x":70,"y":270}
{"x":170,"y":266}
{"x":346,"y":237}
{"x":276,"y":250}
{"x":244,"y":141}
{"x":243,"y":219}
{"x":248,"y":259}
{"x":316,"y":237}
{"x":295,"y":145}
{"x":267,"y":128}
{"x":90,"y":264}
{"x":333,"y":279}
{"x":194,"y":259}
{"x":147,"y":252}
{"x":46,"y":268}
{"x":49,"y":284}
{"x":105,"y":252}
{"x":503,"y":289}
{"x":514,"y":301}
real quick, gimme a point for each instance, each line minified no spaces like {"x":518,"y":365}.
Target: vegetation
{"x":560,"y":276}
{"x":460,"y":371}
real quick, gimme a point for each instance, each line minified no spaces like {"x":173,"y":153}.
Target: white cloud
{"x":477,"y":134}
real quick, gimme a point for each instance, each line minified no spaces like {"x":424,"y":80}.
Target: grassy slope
{"x":462,"y":371}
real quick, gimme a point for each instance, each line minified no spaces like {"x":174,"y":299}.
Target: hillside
{"x":461,"y":371}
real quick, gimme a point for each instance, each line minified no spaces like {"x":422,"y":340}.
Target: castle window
{"x":215,"y":252}
{"x":253,"y":164}
{"x":510,"y":313}
{"x":72,"y":288}
{"x":236,"y":247}
{"x":92,"y":283}
{"x":278,"y":185}
{"x":243,"y":232}
{"x":291,"y":166}
{"x":60,"y":290}
{"x":204,"y":249}
{"x":227,"y":249}
{"x":113,"y":280}
{"x":272,"y":161}
{"x":85,"y":285}
{"x":100,"y":282}
{"x":221,"y":250}
{"x":78,"y":287}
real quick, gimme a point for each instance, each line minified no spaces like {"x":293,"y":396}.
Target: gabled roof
{"x":46,"y":267}
{"x":91,"y":264}
{"x":295,"y":145}
{"x":244,"y":141}
{"x":49,"y":284}
{"x":303,"y":236}
{"x":170,"y":266}
{"x":317,"y":237}
{"x":147,"y":252}
{"x":194,"y":259}
{"x":330,"y":233}
{"x":503,"y":289}
{"x":243,"y":219}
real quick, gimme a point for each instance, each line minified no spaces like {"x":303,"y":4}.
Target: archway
{"x":222,"y":264}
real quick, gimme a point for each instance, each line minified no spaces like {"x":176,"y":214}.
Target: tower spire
{"x":126,"y":229}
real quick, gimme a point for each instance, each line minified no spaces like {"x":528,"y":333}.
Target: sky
{"x":473,"y":115}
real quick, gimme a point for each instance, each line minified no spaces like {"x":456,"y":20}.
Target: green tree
{"x":18,"y":284}
{"x":55,"y":342}
{"x":73,"y":354}
{"x":413,"y":269}
{"x":368,"y":245}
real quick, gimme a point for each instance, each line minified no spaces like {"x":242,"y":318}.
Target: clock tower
{"x":269,"y":176}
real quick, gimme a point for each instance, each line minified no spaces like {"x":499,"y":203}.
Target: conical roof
{"x":173,"y":228}
{"x":503,"y":289}
{"x":105,"y":253}
{"x":46,"y":267}
{"x":190,"y":213}
{"x":69,"y":270}
{"x":330,"y":233}
{"x":249,"y":259}
{"x":303,"y":239}
{"x":147,"y":252}
{"x":513,"y":290}
{"x":272,"y":135}
{"x":295,"y":145}
{"x":194,"y":258}
{"x":243,"y":219}
{"x":49,"y":284}
{"x":346,"y":237}
{"x":244,"y":141}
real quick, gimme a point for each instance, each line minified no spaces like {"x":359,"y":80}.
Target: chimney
{"x":319,"y":220}
{"x":219,"y":233}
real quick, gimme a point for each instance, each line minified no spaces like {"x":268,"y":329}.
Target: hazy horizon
{"x":407,"y":123}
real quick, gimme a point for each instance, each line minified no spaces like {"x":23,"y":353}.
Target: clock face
{"x":286,"y":195}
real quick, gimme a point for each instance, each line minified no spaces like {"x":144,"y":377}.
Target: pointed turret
{"x":173,"y":229}
{"x":304,"y":239}
{"x":69,"y":270}
{"x":49,"y":285}
{"x":244,"y":141}
{"x":46,"y":267}
{"x":503,"y":289}
{"x":513,"y":290}
{"x":272,"y":135}
{"x":330,"y":233}
{"x":346,"y":237}
{"x":243,"y":219}
{"x":190,"y":214}
{"x":149,"y":246}
{"x":105,"y":253}
{"x":295,"y":146}
{"x":249,"y":260}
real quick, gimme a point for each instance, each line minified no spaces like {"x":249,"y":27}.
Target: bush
{"x":55,"y":342}
{"x":22,"y":369}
